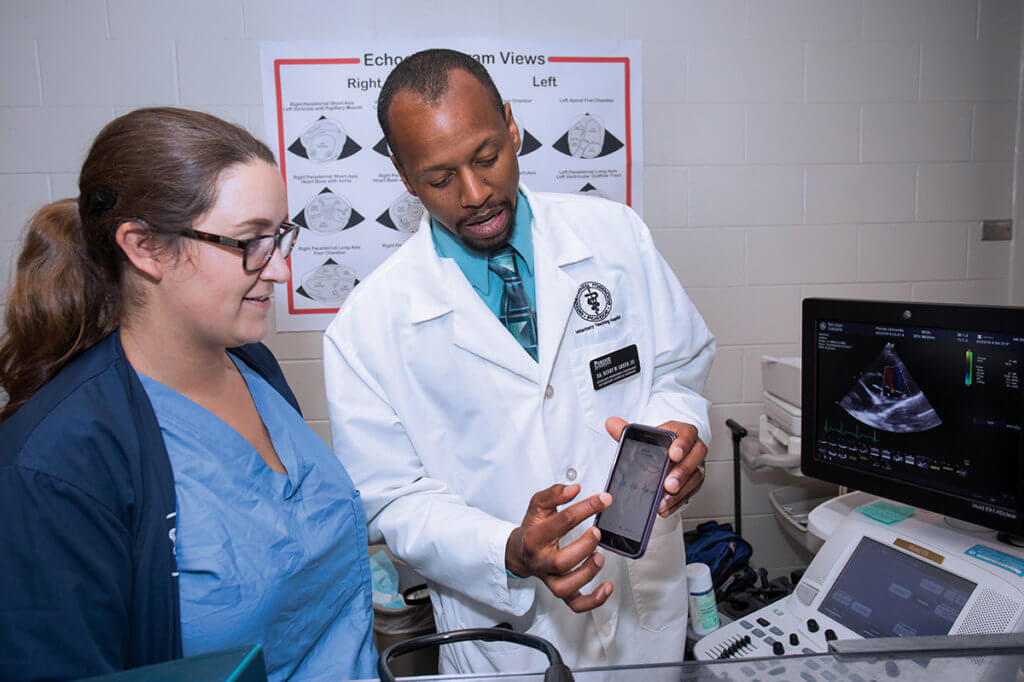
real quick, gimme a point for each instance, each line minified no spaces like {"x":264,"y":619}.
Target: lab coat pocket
{"x":657,"y":578}
{"x":613,"y":400}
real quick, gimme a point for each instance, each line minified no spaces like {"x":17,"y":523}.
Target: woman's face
{"x":209,"y":295}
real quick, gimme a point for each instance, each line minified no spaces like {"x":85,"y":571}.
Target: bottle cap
{"x":698,"y":577}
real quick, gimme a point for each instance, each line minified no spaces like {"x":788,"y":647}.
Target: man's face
{"x":459,"y":158}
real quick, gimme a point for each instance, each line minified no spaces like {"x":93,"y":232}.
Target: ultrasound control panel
{"x":915,"y":577}
{"x":813,"y":669}
{"x":770,"y":631}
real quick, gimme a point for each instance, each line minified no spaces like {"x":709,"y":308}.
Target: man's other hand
{"x":687,"y":453}
{"x":532,"y":548}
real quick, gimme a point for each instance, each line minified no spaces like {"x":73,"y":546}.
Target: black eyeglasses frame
{"x":285,"y":229}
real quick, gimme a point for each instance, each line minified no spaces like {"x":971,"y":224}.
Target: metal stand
{"x":738,"y":434}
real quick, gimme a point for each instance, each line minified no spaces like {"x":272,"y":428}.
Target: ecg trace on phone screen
{"x":635,"y":483}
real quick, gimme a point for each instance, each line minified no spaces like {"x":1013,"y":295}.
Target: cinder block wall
{"x":793,"y":147}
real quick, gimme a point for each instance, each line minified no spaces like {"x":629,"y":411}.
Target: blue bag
{"x":726,"y":554}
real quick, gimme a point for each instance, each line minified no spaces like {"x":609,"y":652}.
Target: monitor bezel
{"x":994,"y":319}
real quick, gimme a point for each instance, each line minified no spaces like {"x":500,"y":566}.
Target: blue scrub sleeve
{"x":65,"y":580}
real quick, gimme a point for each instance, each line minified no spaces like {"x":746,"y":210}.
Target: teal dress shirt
{"x":473,"y":263}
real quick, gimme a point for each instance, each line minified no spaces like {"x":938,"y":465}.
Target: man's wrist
{"x":514,"y":564}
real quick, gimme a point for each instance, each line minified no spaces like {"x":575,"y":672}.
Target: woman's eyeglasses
{"x":256,"y":253}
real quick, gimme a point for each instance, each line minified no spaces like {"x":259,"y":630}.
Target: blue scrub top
{"x":267,"y":558}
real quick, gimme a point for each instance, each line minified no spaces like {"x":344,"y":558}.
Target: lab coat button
{"x":549,"y":391}
{"x":570,"y":474}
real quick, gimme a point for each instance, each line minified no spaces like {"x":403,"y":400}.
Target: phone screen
{"x":636,"y":486}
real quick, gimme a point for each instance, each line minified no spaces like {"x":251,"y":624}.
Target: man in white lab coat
{"x":468,"y":443}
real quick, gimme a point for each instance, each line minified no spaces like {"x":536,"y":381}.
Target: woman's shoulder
{"x":79,"y":427}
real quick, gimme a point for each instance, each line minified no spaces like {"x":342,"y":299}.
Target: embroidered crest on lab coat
{"x":593,"y":301}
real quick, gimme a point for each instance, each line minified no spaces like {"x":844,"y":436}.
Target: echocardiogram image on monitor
{"x":887,"y":397}
{"x":918,"y":403}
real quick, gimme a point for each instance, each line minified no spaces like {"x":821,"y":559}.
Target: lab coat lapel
{"x":556,"y":248}
{"x":441,"y":288}
{"x":428,"y":288}
{"x":478,"y":330}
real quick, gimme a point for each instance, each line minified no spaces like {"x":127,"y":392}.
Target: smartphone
{"x":636,"y":484}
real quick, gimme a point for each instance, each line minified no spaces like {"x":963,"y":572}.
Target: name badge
{"x":616,"y":366}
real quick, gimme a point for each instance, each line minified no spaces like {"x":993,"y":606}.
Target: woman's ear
{"x":136,"y":242}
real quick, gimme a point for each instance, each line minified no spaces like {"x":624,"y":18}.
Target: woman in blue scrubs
{"x":160,"y":494}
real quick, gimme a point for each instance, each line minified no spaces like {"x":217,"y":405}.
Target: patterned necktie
{"x":516,"y":313}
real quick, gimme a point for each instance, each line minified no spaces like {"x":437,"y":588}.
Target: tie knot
{"x":503,"y":263}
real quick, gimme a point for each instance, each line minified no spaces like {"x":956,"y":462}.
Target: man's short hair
{"x":425,"y":74}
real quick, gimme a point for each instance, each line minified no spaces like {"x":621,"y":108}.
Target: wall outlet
{"x":996,"y":230}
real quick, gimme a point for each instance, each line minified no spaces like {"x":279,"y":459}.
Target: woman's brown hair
{"x":157,"y":166}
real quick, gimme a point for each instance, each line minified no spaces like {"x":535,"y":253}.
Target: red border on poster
{"x":629,"y":128}
{"x":278,"y":63}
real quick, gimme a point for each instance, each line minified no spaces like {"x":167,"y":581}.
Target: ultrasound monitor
{"x":918,"y":403}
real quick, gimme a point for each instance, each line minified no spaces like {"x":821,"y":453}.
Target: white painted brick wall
{"x":862,"y":72}
{"x":744,"y":195}
{"x":802,"y":133}
{"x":19,"y":79}
{"x":923,"y":131}
{"x":920,"y":19}
{"x":794,"y":147}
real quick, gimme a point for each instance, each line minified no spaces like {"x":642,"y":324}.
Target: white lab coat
{"x":448,"y":427}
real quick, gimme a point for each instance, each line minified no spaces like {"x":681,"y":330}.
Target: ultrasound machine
{"x":919,"y":408}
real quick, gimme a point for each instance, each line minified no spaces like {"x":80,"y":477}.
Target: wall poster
{"x":577,"y":104}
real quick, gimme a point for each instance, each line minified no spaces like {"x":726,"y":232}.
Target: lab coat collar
{"x":560,"y":239}
{"x":474,"y":263}
{"x":433,"y":301}
{"x":475,"y":328}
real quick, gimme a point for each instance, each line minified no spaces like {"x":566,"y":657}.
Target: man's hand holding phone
{"x":687,"y":454}
{"x":532,"y":548}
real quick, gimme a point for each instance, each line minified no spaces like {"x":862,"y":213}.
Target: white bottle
{"x":703,"y":609}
